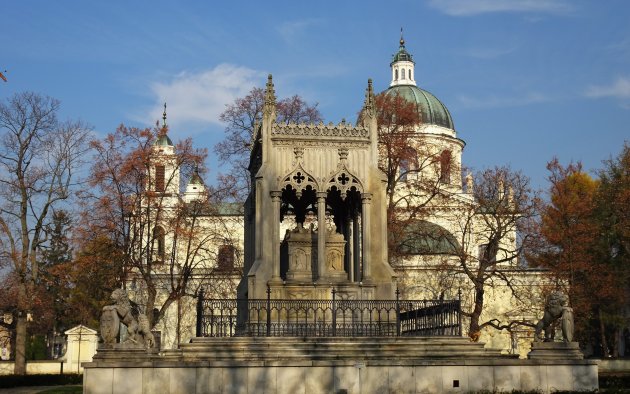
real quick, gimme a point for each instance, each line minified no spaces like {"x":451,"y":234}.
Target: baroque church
{"x":316,"y":220}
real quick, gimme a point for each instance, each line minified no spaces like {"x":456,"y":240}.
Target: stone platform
{"x":331,"y":365}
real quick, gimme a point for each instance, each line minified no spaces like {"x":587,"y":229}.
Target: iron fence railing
{"x":327,"y":318}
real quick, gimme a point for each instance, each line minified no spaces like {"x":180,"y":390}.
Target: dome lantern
{"x":402,"y":66}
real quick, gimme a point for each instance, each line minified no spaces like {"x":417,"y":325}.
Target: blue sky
{"x":525,"y":80}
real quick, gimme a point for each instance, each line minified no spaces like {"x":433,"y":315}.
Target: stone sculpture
{"x":138,"y":330}
{"x":556,"y":308}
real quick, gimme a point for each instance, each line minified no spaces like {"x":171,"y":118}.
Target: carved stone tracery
{"x":344,"y":130}
{"x":299,"y":180}
{"x":343,"y":180}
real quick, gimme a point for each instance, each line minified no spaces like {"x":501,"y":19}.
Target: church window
{"x":159,"y":178}
{"x":396,"y":75}
{"x":408,"y":162}
{"x":410,"y":74}
{"x":226,"y":257}
{"x":445,"y":166}
{"x":159,"y":239}
{"x":402,"y":74}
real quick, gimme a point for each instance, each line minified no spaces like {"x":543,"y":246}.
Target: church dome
{"x":432,"y":111}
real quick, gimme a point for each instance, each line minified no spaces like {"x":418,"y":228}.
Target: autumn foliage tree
{"x":240,"y":118}
{"x":582,"y":244}
{"x":412,"y":166}
{"x":39,"y":157}
{"x":154,"y":240}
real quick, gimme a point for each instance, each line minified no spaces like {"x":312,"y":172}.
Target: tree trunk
{"x":616,"y":342}
{"x":475,"y":331}
{"x":20,"y":344}
{"x":602,"y":330}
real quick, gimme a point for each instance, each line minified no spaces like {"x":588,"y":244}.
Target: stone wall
{"x":332,"y":365}
{"x":342,"y":377}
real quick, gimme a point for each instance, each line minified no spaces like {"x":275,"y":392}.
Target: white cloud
{"x":476,"y":7}
{"x":289,"y":31}
{"x":502,"y":102}
{"x":197,"y":99}
{"x":620,"y":89}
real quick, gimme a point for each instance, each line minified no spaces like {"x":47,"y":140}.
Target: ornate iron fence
{"x":327,"y":318}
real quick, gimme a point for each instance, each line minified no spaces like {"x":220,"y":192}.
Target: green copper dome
{"x":195,"y":179}
{"x":402,"y":55}
{"x":423,"y":237}
{"x":163,"y":140}
{"x":432,"y":111}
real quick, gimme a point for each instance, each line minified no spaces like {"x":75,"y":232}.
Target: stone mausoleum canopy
{"x":321,"y":184}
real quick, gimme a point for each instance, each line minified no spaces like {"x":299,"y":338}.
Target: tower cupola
{"x":402,"y":65}
{"x":195,"y":189}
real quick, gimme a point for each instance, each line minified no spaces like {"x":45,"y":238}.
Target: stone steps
{"x":325,"y":348}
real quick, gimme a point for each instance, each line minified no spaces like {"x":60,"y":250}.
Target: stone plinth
{"x":302,"y":251}
{"x":555,"y":351}
{"x":332,"y":365}
{"x":335,"y":254}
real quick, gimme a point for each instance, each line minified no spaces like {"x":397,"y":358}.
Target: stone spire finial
{"x":369,"y":98}
{"x":270,"y":96}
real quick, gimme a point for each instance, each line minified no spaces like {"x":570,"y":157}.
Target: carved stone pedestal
{"x":335,"y":252}
{"x":555,"y":351}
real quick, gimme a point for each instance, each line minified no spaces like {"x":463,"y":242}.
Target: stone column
{"x":321,"y":234}
{"x":357,"y":249}
{"x":366,"y":199}
{"x":350,"y":248}
{"x":275,"y":235}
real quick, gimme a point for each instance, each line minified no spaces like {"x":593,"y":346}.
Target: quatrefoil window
{"x":299,"y":178}
{"x":343,"y":178}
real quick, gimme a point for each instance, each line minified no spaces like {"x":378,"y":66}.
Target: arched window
{"x":408,"y":163}
{"x":159,"y":243}
{"x":159,"y":178}
{"x":445,"y":166}
{"x":410,"y":74}
{"x":226,"y":257}
{"x":396,"y":75}
{"x":402,"y":74}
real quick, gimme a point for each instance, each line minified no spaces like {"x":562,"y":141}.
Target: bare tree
{"x":38,"y":158}
{"x":241,"y":118}
{"x":492,"y":233}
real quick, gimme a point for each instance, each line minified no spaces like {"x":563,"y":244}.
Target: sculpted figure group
{"x":138,"y":331}
{"x":556,"y":307}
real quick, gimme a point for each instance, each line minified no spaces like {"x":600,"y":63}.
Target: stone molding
{"x":345,"y":130}
{"x":555,"y":351}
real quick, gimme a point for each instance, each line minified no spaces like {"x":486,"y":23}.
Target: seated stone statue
{"x":556,"y":308}
{"x":138,"y":330}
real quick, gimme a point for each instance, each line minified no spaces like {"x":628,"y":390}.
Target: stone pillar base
{"x":555,"y":351}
